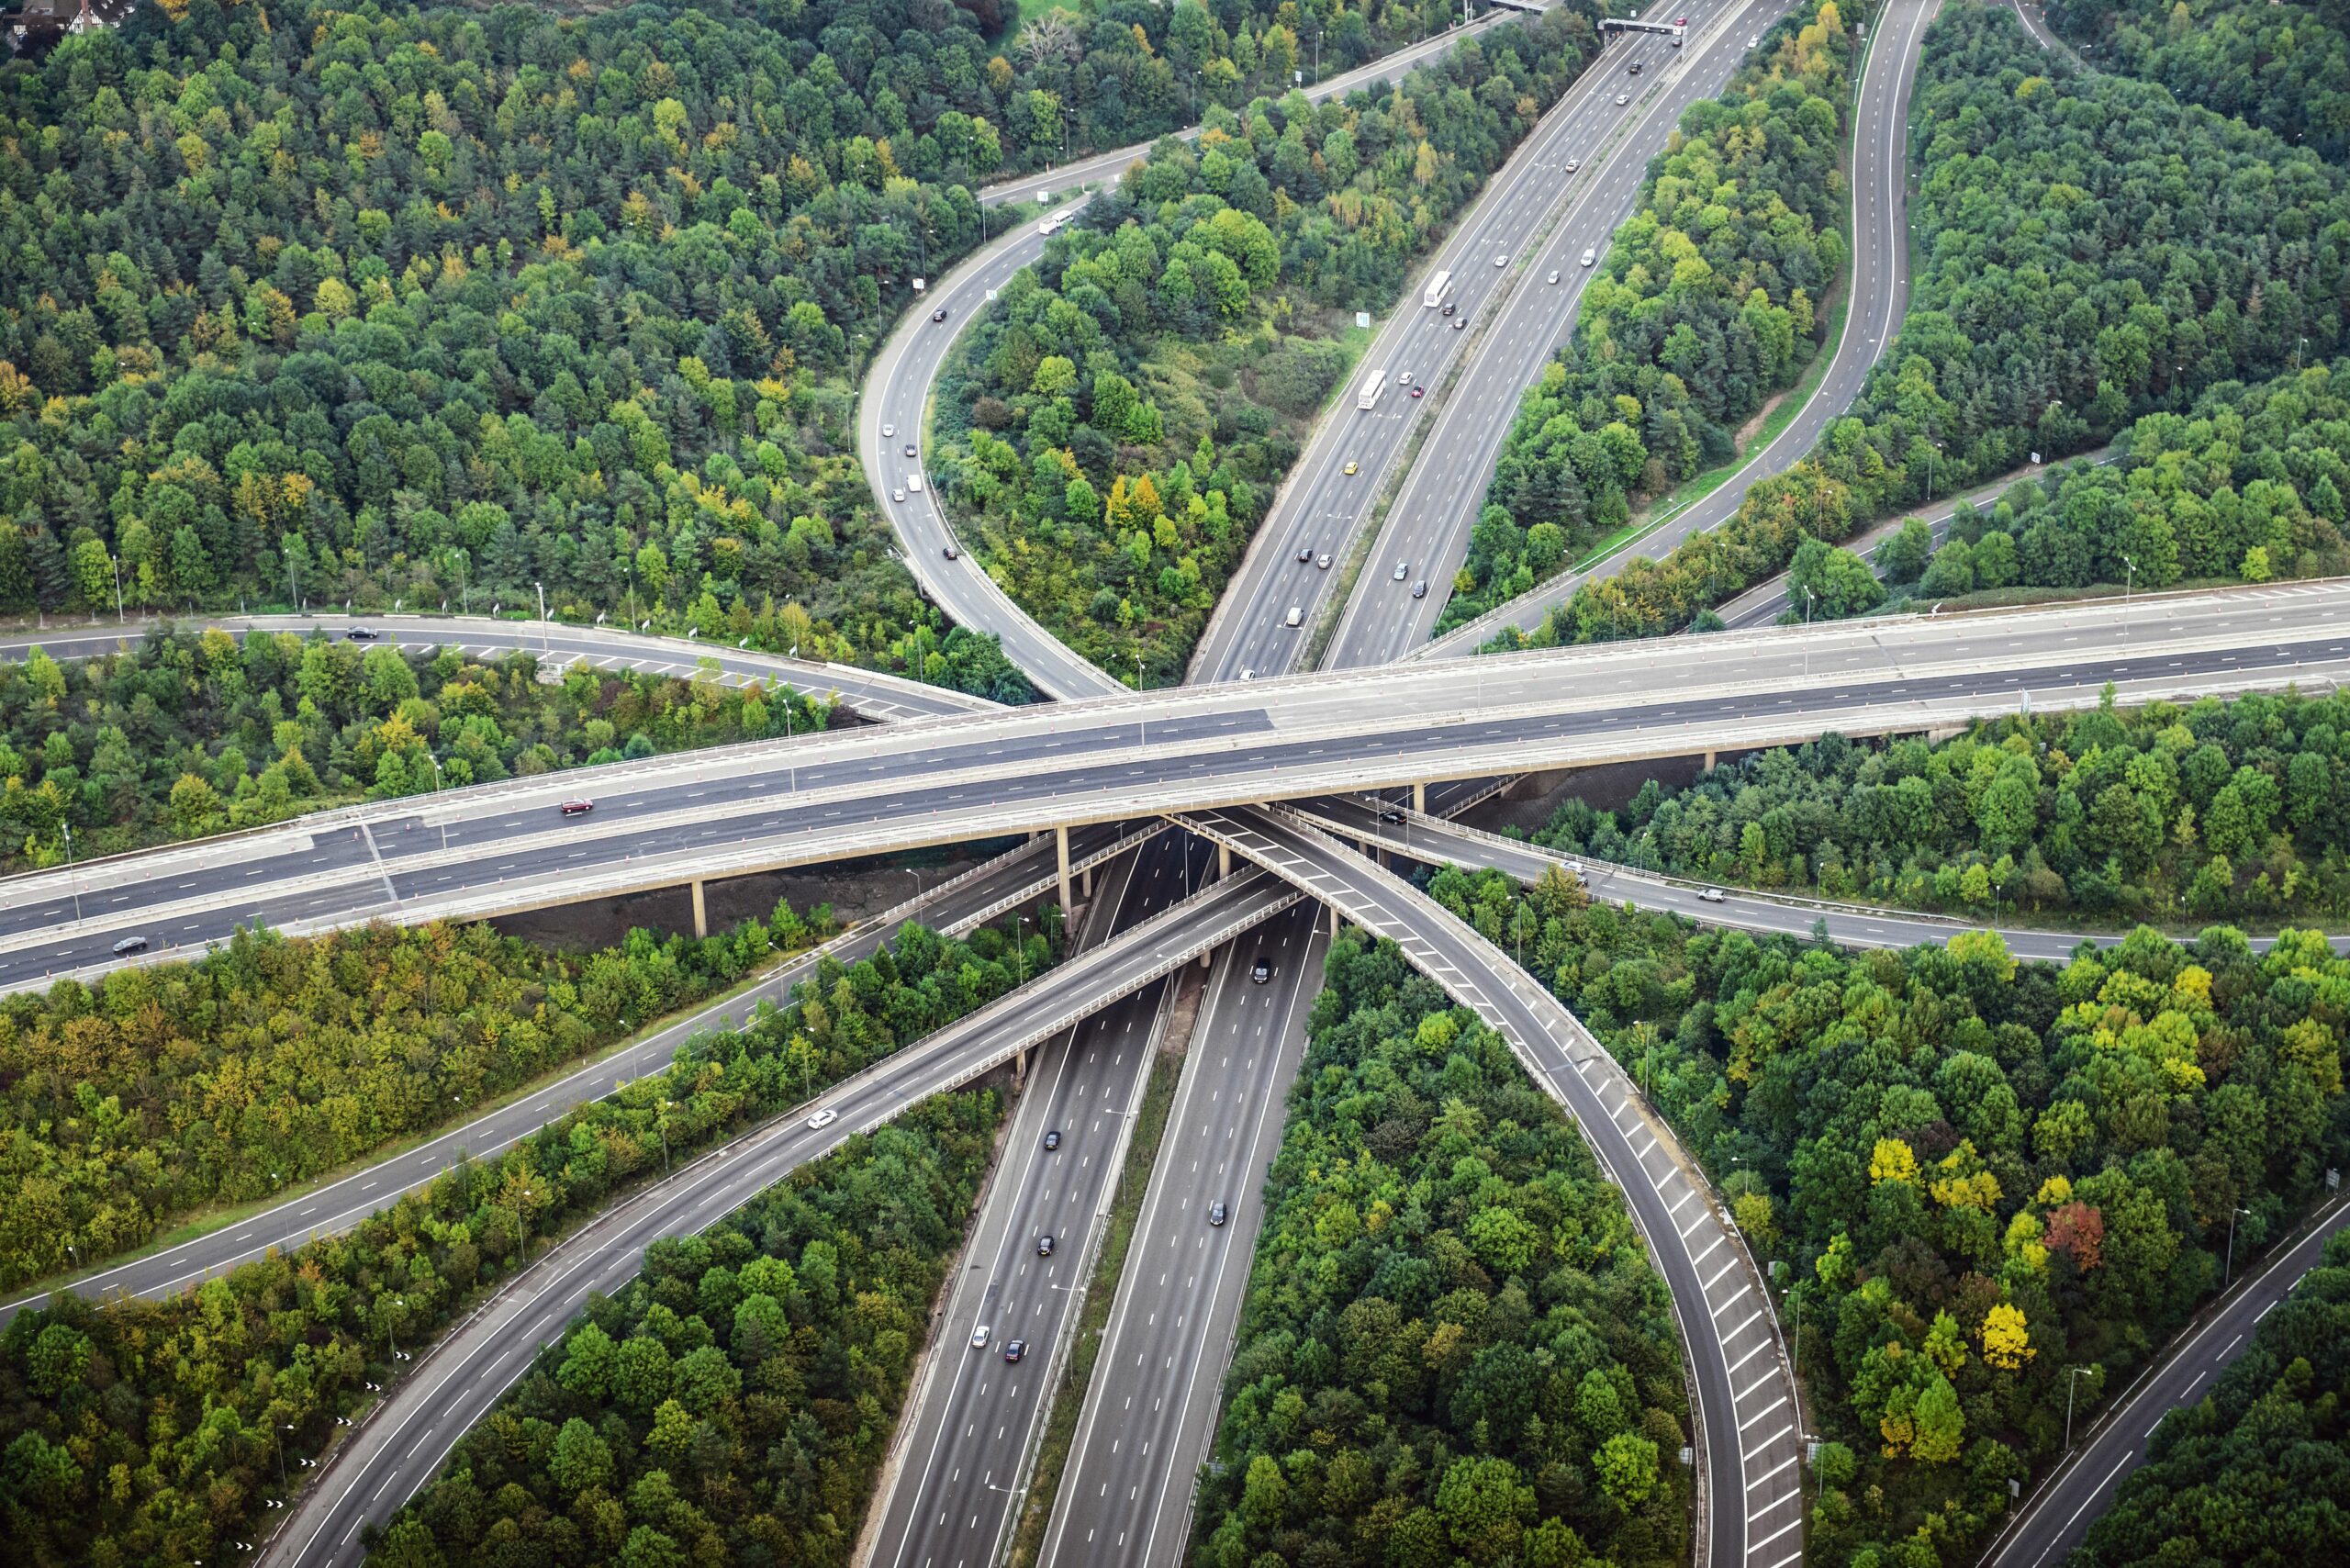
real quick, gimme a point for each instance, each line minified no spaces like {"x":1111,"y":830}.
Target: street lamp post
{"x":542,"y":617}
{"x":2229,"y":1276}
{"x":70,"y":879}
{"x":2071,"y":1373}
{"x":116,"y":564}
{"x":439,"y":784}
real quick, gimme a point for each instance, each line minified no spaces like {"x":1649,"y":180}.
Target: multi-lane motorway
{"x":405,"y":1439}
{"x":664,"y":820}
{"x":1878,"y":295}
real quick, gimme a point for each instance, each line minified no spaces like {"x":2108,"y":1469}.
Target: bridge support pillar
{"x":1223,"y":861}
{"x":1085,"y":883}
{"x":1334,"y":921}
{"x":1060,"y":848}
{"x":1019,"y":1070}
{"x":1419,"y":797}
{"x":701,"y":911}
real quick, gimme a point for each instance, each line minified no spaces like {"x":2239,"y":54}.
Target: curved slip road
{"x":1880,"y":295}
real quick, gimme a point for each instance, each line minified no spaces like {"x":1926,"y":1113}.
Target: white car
{"x":1501,"y":260}
{"x":1623,"y":98}
{"x":889,"y":431}
{"x":898,"y":495}
{"x":825,"y":1118}
{"x":1709,"y":895}
{"x":979,"y":1337}
{"x":1590,"y":256}
{"x":1554,"y":274}
{"x":1574,"y":166}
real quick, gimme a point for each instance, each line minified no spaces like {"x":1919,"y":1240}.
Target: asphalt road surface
{"x":661,"y":821}
{"x":1010,"y":880}
{"x":404,"y":1440}
{"x":1747,"y":1427}
{"x":872,"y":693}
{"x":1880,"y":294}
{"x":1499,"y":285}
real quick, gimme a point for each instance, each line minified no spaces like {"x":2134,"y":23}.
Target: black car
{"x":128,"y":945}
{"x":360,"y":634}
{"x":1014,"y":1348}
{"x":1262,"y":972}
{"x":1420,"y":589}
{"x":1052,"y":1139}
{"x":939,"y":314}
{"x":1218,"y":1213}
{"x":1045,"y":1244}
{"x":1450,"y":306}
{"x":1306,"y":555}
{"x":1390,"y":814}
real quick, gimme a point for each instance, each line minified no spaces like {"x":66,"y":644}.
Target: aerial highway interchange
{"x":1094,"y":772}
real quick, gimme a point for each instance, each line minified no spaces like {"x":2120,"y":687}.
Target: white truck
{"x":1437,"y":285}
{"x":1369,"y":397}
{"x":1052,"y":224}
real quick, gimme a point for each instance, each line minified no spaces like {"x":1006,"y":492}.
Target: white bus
{"x":1369,"y":397}
{"x":1437,"y":285}
{"x":1058,"y":221}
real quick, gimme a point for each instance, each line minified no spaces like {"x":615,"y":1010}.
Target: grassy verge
{"x":203,"y":1222}
{"x":1068,"y":1400}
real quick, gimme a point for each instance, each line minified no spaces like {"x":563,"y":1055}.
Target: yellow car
{"x":1350,"y":468}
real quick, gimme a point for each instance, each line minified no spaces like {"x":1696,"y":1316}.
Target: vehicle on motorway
{"x":1352,"y":466}
{"x":1419,"y":391}
{"x":1045,"y":1244}
{"x":1501,"y":260}
{"x":1623,"y":98}
{"x":1590,"y":254}
{"x":1574,"y":166}
{"x":825,"y":1118}
{"x":1014,"y":1348}
{"x":1261,"y":971}
{"x":1460,"y":323}
{"x":1306,"y":555}
{"x":939,"y":314}
{"x":1248,"y":674}
{"x":1636,"y":70}
{"x":1369,"y":397}
{"x":1056,"y":223}
{"x":889,"y":431}
{"x":951,"y":553}
{"x":1218,"y":1213}
{"x":360,"y":634}
{"x":1322,"y":560}
{"x":1390,"y":814}
{"x":913,"y":483}
{"x":1754,"y":42}
{"x":898,"y":492}
{"x":979,"y":1337}
{"x":579,"y":808}
{"x":1420,"y":589}
{"x":1437,"y":285}
{"x":1554,"y":274}
{"x":1450,"y":306}
{"x":1296,"y":618}
{"x":1052,"y":1139}
{"x":1403,"y":378}
{"x":1709,"y":895}
{"x":911,"y":450}
{"x":1403,"y":570}
{"x":128,"y":945}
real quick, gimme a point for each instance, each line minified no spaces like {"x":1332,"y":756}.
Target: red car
{"x":577,"y":808}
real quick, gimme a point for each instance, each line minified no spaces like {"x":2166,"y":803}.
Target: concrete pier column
{"x":1223,"y":861}
{"x":1085,"y":883}
{"x":1060,"y":848}
{"x":701,"y":911}
{"x":1709,"y":761}
{"x":1334,"y":921}
{"x":1019,"y":1070}
{"x":1419,"y":797}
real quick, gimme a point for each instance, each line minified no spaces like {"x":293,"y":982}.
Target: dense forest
{"x":188,"y":733}
{"x":2223,"y":808}
{"x":1115,"y":427}
{"x":2284,"y":67}
{"x":2247,"y":485}
{"x":2259,"y":1470}
{"x":733,"y":1402}
{"x":1453,"y":1347}
{"x":433,"y":304}
{"x":137,"y":1430}
{"x":1707,"y":302}
{"x":2091,"y":251}
{"x":269,"y":1062}
{"x":1980,"y":1173}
